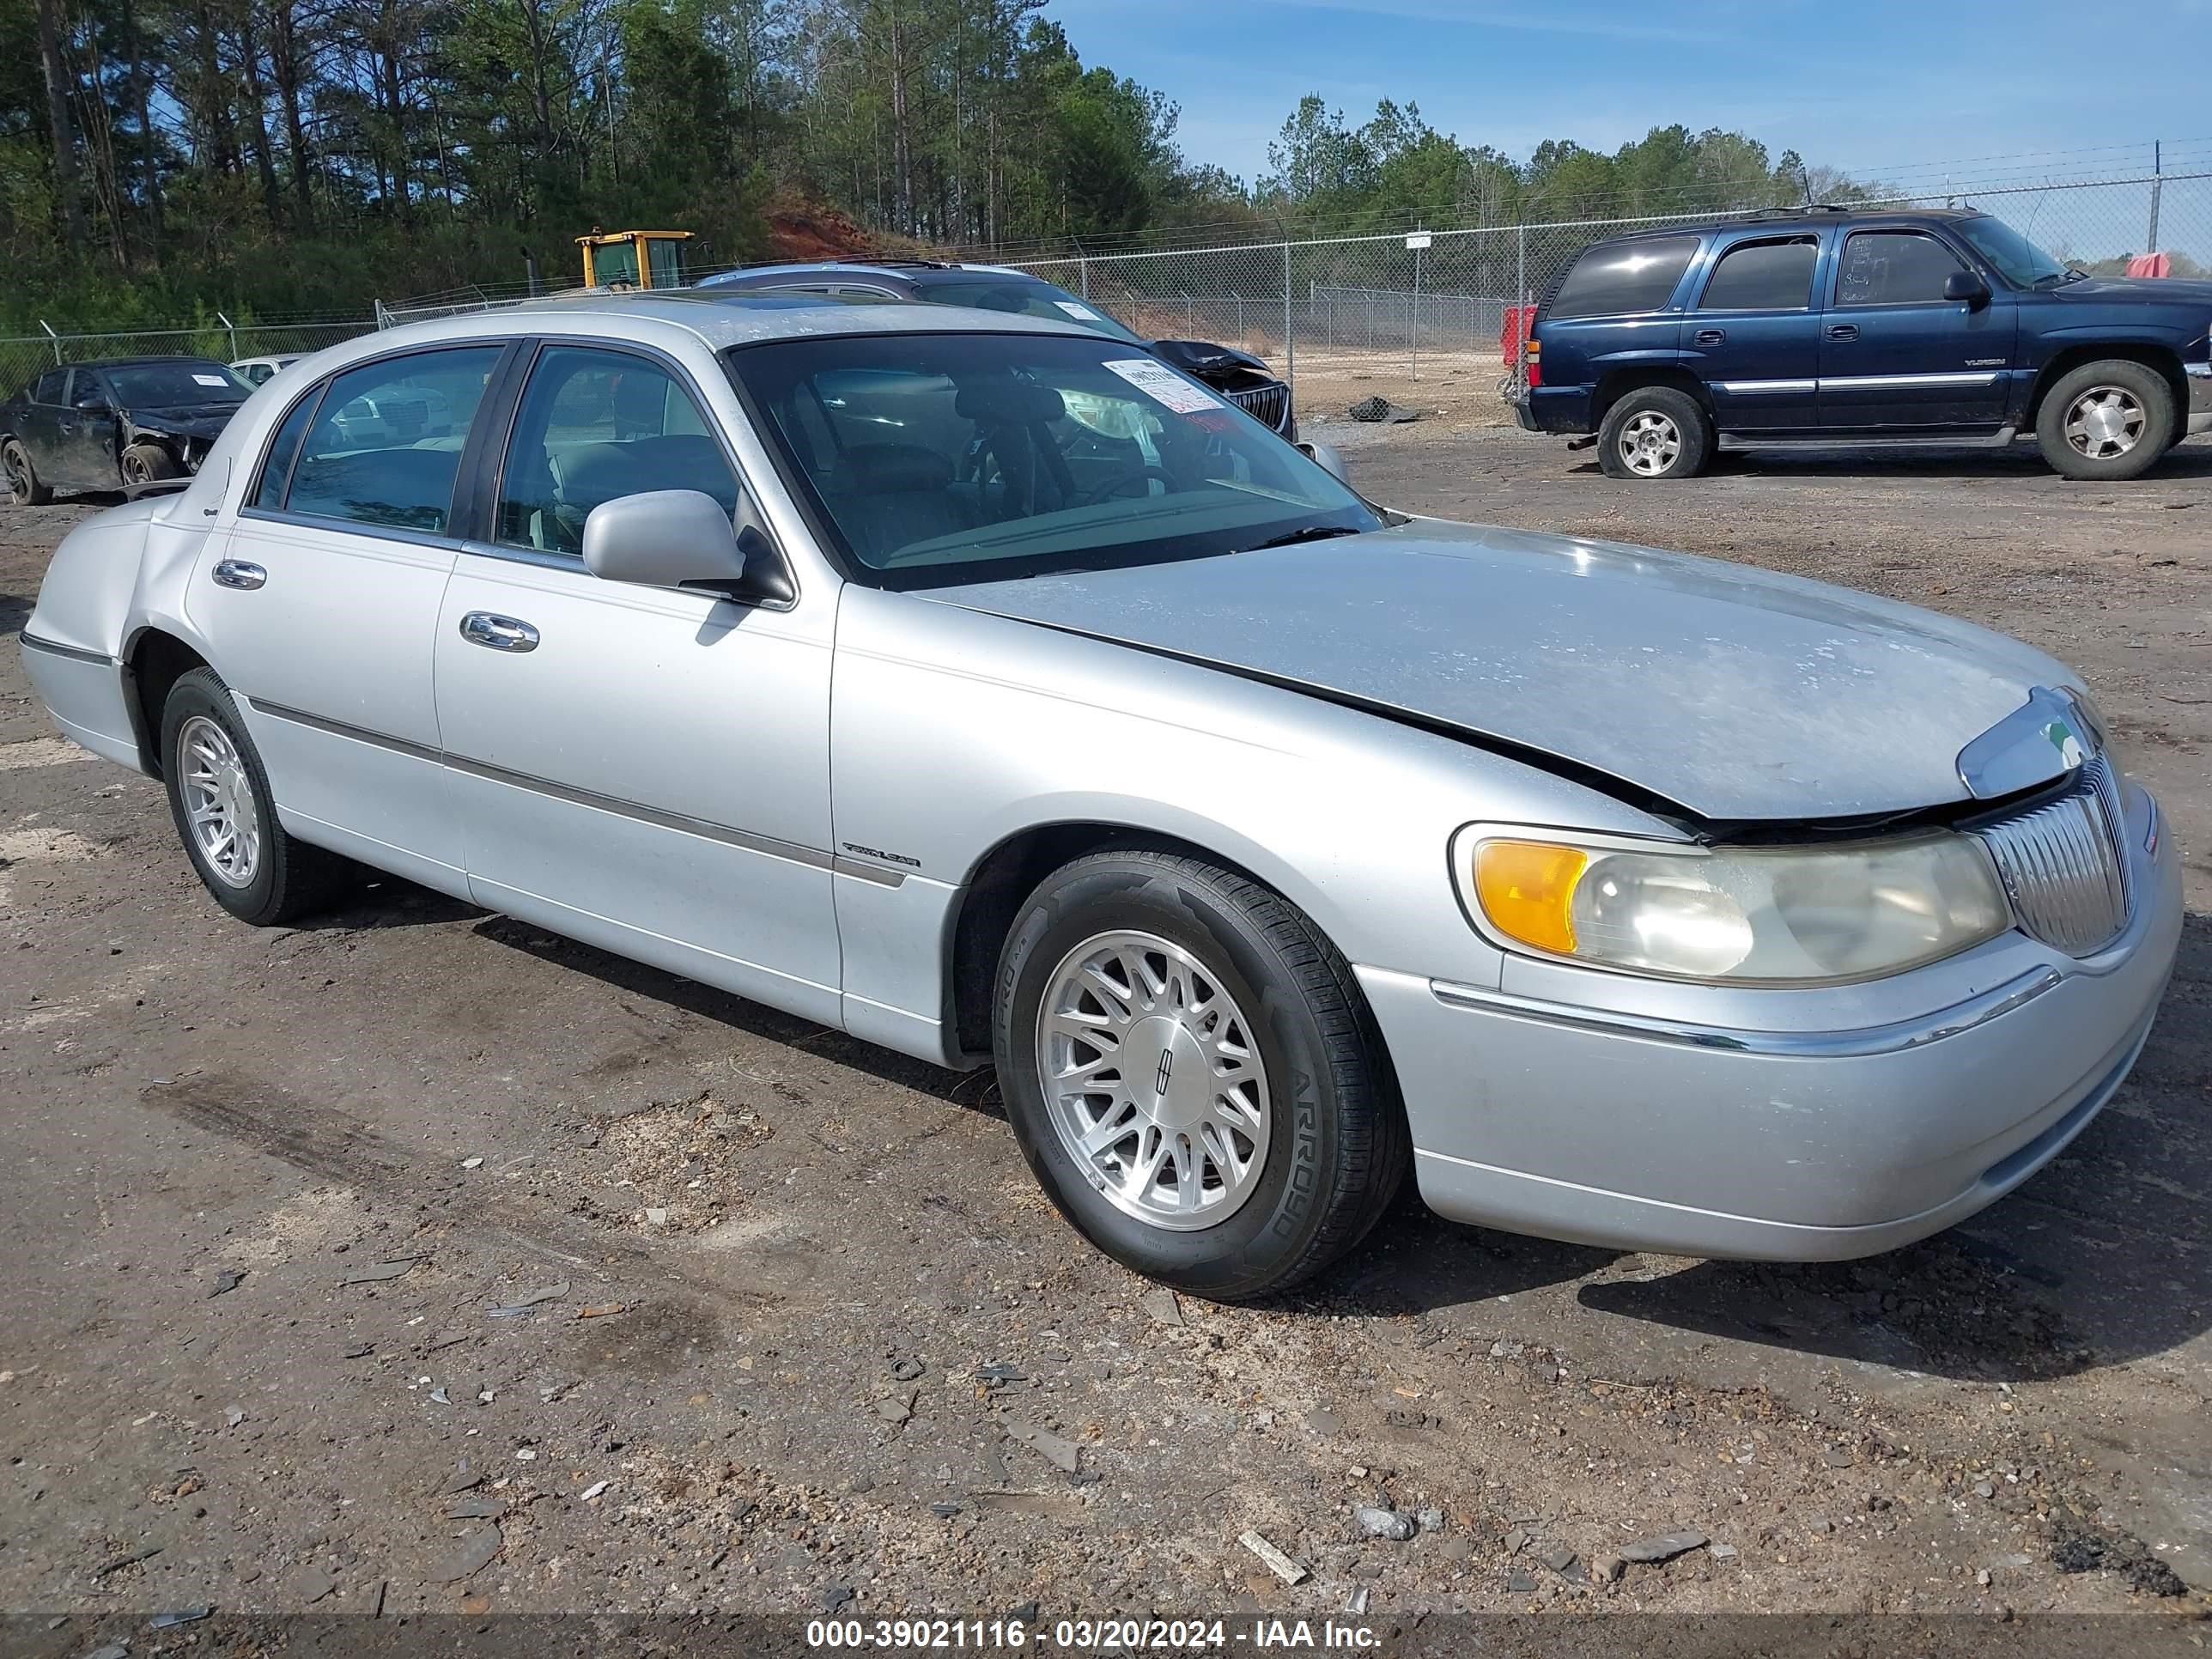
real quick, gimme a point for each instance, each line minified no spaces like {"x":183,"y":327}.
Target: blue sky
{"x":1873,"y":87}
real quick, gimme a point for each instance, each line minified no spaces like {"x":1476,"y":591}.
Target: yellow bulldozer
{"x":634,"y":258}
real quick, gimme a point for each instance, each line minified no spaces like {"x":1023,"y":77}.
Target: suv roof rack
{"x":891,"y":265}
{"x":1805,"y":211}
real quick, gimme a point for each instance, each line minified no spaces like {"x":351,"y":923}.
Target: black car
{"x":1238,"y":375}
{"x":136,"y":424}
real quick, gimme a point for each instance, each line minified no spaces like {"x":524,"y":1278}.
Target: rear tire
{"x":1259,"y":1063}
{"x":2107,"y":420}
{"x":145,"y":464}
{"x":24,"y":487}
{"x":261,"y":874}
{"x":1655,"y":432}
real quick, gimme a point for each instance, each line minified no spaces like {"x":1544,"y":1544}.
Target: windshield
{"x":2018,"y":260}
{"x":1025,"y":296}
{"x":175,"y":386}
{"x":959,"y":458}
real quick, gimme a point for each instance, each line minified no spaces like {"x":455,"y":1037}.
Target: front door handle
{"x":1842,"y":331}
{"x":238,"y":573}
{"x":1711,"y":337}
{"x":498,"y":633}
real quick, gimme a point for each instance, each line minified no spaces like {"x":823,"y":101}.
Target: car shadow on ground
{"x":2098,"y":1259}
{"x":2189,"y":464}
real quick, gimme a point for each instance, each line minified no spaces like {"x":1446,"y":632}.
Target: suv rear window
{"x":1637,"y":275}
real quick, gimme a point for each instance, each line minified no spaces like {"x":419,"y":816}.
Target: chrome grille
{"x":2064,"y":867}
{"x":1269,"y":404}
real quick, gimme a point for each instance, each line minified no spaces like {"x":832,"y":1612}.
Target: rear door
{"x":1894,"y":353}
{"x":41,"y":433}
{"x":81,"y":459}
{"x":321,"y":606}
{"x":1753,"y":336}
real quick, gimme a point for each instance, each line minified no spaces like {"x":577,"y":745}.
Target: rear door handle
{"x":238,"y":573}
{"x":1711,"y":337}
{"x":1842,"y":331}
{"x":498,"y":633}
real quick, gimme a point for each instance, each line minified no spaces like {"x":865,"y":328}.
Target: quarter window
{"x":594,"y":426}
{"x":1775,"y":275}
{"x":276,"y":466}
{"x":1894,"y":268}
{"x":1635,"y":276}
{"x":385,"y":444}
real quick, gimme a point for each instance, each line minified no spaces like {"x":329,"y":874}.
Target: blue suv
{"x":1826,"y":326}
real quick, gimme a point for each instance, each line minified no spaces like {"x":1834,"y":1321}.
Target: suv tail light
{"x":1532,"y":360}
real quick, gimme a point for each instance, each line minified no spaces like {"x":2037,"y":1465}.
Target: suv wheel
{"x":1655,"y":432}
{"x":1193,"y":1075}
{"x":2106,"y":420}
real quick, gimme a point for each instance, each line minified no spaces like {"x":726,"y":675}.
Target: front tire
{"x":1655,"y":432}
{"x":2107,"y":420}
{"x":145,"y":464}
{"x":1193,"y":1075}
{"x":226,"y":816}
{"x":25,"y":487}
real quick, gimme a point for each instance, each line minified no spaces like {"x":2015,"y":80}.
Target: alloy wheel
{"x":1153,"y":1080}
{"x":2105,"y":422}
{"x":1649,"y":443}
{"x":219,"y":802}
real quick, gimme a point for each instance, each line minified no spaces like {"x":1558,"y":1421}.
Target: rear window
{"x":1639,"y":276}
{"x":1775,"y":275}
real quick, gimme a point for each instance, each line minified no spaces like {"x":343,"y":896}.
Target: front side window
{"x":1775,"y":275}
{"x":385,"y":443}
{"x":1625,"y":277}
{"x":594,"y":425}
{"x":1893,"y":268}
{"x":956,"y":457}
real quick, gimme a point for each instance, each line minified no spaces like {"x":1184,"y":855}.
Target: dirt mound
{"x":807,"y":230}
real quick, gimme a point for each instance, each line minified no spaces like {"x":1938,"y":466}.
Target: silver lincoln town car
{"x":987,"y":688}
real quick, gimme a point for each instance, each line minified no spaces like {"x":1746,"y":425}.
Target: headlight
{"x":1759,"y":914}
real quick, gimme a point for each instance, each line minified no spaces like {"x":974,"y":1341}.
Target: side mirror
{"x":1967,"y":286}
{"x":670,"y":538}
{"x":93,"y":403}
{"x":1330,"y":460}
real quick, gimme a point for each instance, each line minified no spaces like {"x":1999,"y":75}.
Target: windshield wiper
{"x":1312,"y":533}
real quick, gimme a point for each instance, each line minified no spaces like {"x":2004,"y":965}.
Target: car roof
{"x":1792,"y":219}
{"x":721,"y":318}
{"x":140,"y":363}
{"x":908,"y":270}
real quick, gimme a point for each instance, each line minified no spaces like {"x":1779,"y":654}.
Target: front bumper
{"x":2200,"y":397}
{"x":1703,"y":1138}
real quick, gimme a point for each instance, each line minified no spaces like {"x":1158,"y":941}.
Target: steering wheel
{"x":1121,"y":481}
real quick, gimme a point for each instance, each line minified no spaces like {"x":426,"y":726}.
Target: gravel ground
{"x":418,"y":1260}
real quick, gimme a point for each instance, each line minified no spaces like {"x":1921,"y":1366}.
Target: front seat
{"x":886,"y":496}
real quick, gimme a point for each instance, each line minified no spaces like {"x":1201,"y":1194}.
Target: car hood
{"x":186,"y":421}
{"x":1732,"y":692}
{"x":2176,"y":290}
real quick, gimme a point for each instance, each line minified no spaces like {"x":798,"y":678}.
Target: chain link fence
{"x":1423,"y":319}
{"x":25,"y":355}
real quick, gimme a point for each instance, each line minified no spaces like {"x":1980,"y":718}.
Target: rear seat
{"x":406,"y":487}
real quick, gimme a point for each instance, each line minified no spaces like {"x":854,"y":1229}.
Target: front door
{"x":646,"y":769}
{"x":1895,"y":353}
{"x":321,"y":604}
{"x":1754,"y":337}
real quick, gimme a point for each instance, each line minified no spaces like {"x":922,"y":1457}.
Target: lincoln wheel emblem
{"x":1167,"y":1065}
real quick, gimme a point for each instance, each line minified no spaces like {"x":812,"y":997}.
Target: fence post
{"x":1417,"y":314}
{"x":1083,"y":268}
{"x":1189,"y":315}
{"x":1521,"y":265}
{"x":55,"y":337}
{"x":1240,"y":315}
{"x":230,"y":328}
{"x":1290,"y":336}
{"x":2157,"y":184}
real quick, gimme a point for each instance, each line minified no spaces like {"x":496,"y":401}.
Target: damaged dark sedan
{"x":138,"y":424}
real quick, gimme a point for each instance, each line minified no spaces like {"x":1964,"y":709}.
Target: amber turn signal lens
{"x":1528,"y":887}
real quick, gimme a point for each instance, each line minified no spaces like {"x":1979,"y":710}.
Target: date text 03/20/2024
{"x":1090,"y":1636}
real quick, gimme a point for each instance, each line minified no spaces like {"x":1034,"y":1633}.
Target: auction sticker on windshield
{"x":1081,"y":313}
{"x":210,"y":379}
{"x":1163,"y":385}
